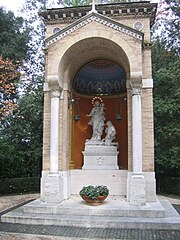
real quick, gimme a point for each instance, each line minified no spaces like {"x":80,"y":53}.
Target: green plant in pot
{"x":94,"y":195}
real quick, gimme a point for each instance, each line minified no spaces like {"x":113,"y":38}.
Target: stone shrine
{"x":101,"y":53}
{"x":98,"y":56}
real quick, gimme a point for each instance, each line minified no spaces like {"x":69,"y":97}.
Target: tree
{"x":14,"y":36}
{"x":21,"y":132}
{"x":166,"y":74}
{"x":173,"y":26}
{"x":87,"y":2}
{"x":9,"y":75}
{"x":167,"y":25}
{"x":21,"y":142}
{"x":75,"y":2}
{"x":167,"y":110}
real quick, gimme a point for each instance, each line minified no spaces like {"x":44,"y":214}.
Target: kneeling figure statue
{"x":110,"y":133}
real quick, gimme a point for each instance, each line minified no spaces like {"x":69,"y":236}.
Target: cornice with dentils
{"x":96,"y":17}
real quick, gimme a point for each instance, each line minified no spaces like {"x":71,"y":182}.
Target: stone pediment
{"x":94,"y":17}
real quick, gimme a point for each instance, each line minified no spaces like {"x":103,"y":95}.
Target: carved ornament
{"x":96,"y":18}
{"x":136,"y":88}
{"x":55,"y":93}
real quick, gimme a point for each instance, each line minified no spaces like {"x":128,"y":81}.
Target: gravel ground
{"x":7,"y":202}
{"x":10,"y":201}
{"x":173,"y":199}
{"x":13,"y":200}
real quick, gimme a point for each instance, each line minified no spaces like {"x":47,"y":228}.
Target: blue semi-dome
{"x":100,"y":77}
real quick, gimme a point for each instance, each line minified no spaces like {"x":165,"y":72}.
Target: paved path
{"x":89,"y":233}
{"x":10,"y":231}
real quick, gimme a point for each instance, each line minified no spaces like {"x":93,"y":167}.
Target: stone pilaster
{"x":54,"y":131}
{"x":137,"y":193}
{"x":52,"y":182}
{"x":136,"y":89}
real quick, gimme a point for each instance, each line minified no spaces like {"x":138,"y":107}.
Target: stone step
{"x":114,"y":213}
{"x":108,"y":208}
{"x":18,"y":216}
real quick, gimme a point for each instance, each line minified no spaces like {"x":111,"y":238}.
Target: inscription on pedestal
{"x":100,"y":157}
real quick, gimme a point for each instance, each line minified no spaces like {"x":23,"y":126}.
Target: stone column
{"x":52,"y":183}
{"x":137,"y":129}
{"x":54,"y":132}
{"x":137,"y":194}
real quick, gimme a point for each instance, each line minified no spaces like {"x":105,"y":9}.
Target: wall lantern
{"x":118,"y":110}
{"x":74,"y":102}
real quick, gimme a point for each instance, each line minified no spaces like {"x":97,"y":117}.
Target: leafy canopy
{"x":166,"y":74}
{"x":9,"y":75}
{"x":14,"y":36}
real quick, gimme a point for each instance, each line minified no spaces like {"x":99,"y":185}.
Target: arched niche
{"x":105,"y":80}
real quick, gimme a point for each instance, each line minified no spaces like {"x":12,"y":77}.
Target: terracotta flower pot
{"x":97,"y":201}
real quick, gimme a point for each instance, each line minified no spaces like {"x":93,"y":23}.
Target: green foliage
{"x":76,"y":2}
{"x":19,"y":185}
{"x":94,"y":191}
{"x":9,"y":75}
{"x":167,"y":24}
{"x":169,"y":185}
{"x":166,"y":65}
{"x":87,"y":2}
{"x":21,"y":132}
{"x":166,"y":75}
{"x":14,"y":36}
{"x":173,"y":25}
{"x":21,"y":138}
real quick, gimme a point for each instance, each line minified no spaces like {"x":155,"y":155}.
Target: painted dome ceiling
{"x":100,"y":77}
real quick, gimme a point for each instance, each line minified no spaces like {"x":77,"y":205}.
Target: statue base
{"x":100,"y":156}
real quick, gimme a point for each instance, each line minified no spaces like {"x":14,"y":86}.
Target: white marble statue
{"x":110,"y":133}
{"x":97,"y":120}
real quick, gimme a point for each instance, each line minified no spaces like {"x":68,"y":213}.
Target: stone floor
{"x":33,"y":232}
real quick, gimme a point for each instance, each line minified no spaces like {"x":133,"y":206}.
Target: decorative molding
{"x":135,"y":83}
{"x":93,"y":7}
{"x":114,"y":11}
{"x":96,"y":18}
{"x":46,"y":87}
{"x":136,"y":89}
{"x":147,"y":46}
{"x":56,"y":29}
{"x":55,"y":93}
{"x":147,"y":83}
{"x":138,"y":25}
{"x":53,"y":81}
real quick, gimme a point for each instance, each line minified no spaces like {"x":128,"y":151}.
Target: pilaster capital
{"x":46,"y":87}
{"x":53,"y":81}
{"x":55,"y":93}
{"x":135,"y":83}
{"x":136,"y":88}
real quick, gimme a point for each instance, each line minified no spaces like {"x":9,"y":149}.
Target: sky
{"x":12,"y":5}
{"x":15,"y":5}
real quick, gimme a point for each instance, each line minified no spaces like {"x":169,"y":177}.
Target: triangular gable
{"x":97,"y":18}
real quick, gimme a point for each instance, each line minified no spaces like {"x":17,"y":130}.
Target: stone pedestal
{"x":100,"y":157}
{"x":137,"y":193}
{"x":52,"y":186}
{"x":55,"y":187}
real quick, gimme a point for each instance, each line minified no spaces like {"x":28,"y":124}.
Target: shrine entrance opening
{"x":104,"y":80}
